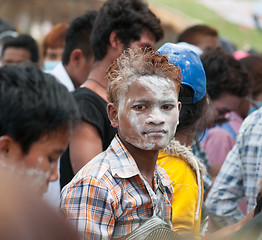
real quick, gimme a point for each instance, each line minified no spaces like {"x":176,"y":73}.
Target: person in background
{"x":36,"y":117}
{"x":183,"y":168}
{"x":76,"y":63}
{"x":77,"y":58}
{"x":20,"y":49}
{"x":120,"y":24}
{"x":228,"y":86}
{"x":7,"y":31}
{"x":239,"y":176}
{"x":253,"y":64}
{"x":203,"y":36}
{"x":53,"y":46}
{"x":115,"y":194}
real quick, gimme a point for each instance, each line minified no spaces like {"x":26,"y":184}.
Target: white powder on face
{"x":35,"y":176}
{"x":158,"y":89}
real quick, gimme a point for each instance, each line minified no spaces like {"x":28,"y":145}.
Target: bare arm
{"x":226,"y":232}
{"x":85,"y":144}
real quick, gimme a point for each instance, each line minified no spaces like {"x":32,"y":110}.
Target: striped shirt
{"x":109,"y":197}
{"x":240,"y":174}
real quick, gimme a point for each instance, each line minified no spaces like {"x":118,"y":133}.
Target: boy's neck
{"x":145,"y":160}
{"x":96,"y":80}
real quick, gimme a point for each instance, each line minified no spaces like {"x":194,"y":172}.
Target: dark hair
{"x":225,"y":75}
{"x":78,"y":36}
{"x":26,"y":42}
{"x":129,"y":18}
{"x":33,"y":104}
{"x":190,"y":113}
{"x":190,"y":34}
{"x":253,"y":64}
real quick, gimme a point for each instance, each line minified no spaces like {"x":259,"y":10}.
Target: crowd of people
{"x":104,"y":136}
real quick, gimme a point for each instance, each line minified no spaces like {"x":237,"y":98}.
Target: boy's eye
{"x":139,"y":107}
{"x":52,"y":160}
{"x":168,"y":106}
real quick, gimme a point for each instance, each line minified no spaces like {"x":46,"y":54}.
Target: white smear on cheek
{"x":36,"y":177}
{"x":140,"y":141}
{"x":135,"y":136}
{"x":40,"y":160}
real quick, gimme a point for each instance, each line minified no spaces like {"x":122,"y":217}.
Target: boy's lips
{"x":155,"y":132}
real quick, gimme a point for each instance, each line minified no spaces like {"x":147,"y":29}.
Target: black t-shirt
{"x":92,"y":109}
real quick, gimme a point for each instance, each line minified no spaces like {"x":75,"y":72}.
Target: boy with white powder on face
{"x":118,"y":191}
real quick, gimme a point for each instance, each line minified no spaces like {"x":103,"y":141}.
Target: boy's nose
{"x":156,"y":117}
{"x":54,"y":174}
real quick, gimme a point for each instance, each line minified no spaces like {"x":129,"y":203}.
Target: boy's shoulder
{"x":97,"y":168}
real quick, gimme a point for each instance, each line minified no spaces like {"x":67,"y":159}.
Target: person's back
{"x":120,"y":24}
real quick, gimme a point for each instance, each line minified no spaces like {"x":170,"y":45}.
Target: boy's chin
{"x":151,"y":146}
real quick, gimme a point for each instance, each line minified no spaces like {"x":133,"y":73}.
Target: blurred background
{"x":234,"y":19}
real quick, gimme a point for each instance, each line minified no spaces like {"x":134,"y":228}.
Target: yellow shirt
{"x":186,"y":192}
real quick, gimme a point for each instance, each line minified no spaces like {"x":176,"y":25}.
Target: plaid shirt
{"x":108,"y":197}
{"x":240,"y":174}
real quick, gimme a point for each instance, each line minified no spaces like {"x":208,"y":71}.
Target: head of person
{"x":121,"y":24}
{"x":192,"y":93}
{"x":53,"y":46}
{"x":253,"y":64}
{"x":203,"y":36}
{"x":77,"y":56}
{"x":20,"y":49}
{"x":228,"y":83}
{"x":7,"y":31}
{"x":37,"y":114}
{"x":143,"y":98}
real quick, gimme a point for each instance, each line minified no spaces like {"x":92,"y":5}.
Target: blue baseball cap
{"x":191,"y":67}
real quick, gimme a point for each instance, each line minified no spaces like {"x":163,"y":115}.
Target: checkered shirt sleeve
{"x":239,"y":175}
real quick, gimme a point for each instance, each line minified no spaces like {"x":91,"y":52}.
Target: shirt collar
{"x":123,"y":165}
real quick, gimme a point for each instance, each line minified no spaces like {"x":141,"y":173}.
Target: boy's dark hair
{"x":26,"y":42}
{"x":191,"y":33}
{"x":78,"y":36}
{"x":190,"y":113}
{"x":225,"y":75}
{"x":129,"y":18}
{"x":33,"y":104}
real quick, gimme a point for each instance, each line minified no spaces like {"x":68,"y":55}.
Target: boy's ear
{"x":6,"y":145}
{"x":179,"y":106}
{"x":75,"y":57}
{"x":114,"y":39}
{"x":112,"y":112}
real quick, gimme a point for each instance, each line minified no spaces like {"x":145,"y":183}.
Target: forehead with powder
{"x":136,"y":63}
{"x":154,"y":84}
